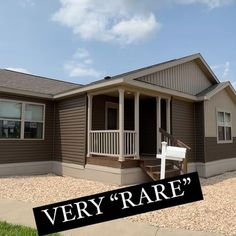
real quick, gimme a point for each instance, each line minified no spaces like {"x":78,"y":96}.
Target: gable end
{"x":187,"y":78}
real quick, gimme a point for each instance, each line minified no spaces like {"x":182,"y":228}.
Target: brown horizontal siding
{"x":147,"y":126}
{"x":70,"y":130}
{"x":182,"y":124}
{"x":199,"y":131}
{"x":98,"y":114}
{"x":15,"y":151}
{"x":215,"y":151}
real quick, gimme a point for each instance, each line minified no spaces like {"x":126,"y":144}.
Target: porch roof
{"x":128,"y":78}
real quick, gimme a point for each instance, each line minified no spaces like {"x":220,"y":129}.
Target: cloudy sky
{"x":84,"y":40}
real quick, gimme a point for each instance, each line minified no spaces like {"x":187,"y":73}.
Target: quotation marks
{"x":113,"y":197}
{"x":186,"y":181}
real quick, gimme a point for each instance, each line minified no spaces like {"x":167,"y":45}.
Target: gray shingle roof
{"x":33,"y":83}
{"x":210,"y":89}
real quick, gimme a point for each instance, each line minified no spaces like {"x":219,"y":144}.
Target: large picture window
{"x":21,"y":120}
{"x":224,"y":126}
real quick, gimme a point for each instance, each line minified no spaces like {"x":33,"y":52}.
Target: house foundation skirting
{"x":101,"y":173}
{"x":26,"y":168}
{"x":212,"y":168}
{"x":106,"y":174}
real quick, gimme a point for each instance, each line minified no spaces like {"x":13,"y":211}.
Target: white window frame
{"x":224,"y":124}
{"x":22,"y":120}
{"x":114,"y":106}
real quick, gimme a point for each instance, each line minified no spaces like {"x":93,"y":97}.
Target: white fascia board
{"x":24,"y":92}
{"x":89,"y":88}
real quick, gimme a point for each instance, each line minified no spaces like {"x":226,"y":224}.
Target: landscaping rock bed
{"x":217,"y":213}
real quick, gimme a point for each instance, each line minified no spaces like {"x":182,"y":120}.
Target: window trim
{"x":22,"y":120}
{"x":113,"y":105}
{"x":217,"y":125}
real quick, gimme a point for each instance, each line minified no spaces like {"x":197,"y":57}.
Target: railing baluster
{"x":106,"y":142}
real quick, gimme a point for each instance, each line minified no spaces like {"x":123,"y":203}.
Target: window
{"x":224,"y":127}
{"x":20,"y":120}
{"x":111,"y":116}
{"x":33,"y":121}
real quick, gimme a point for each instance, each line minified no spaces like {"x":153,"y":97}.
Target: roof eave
{"x":89,"y":88}
{"x":25,"y":93}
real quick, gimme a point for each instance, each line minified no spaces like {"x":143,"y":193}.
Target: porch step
{"x":153,"y":170}
{"x":158,"y":167}
{"x":169,"y":173}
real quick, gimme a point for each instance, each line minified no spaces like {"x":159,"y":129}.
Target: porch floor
{"x":129,"y":162}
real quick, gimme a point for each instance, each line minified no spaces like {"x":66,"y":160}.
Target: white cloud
{"x":22,"y":70}
{"x":226,"y":70}
{"x":81,"y":53}
{"x":81,"y":65}
{"x":210,"y":3}
{"x":81,"y":70}
{"x":26,"y":3}
{"x":123,"y":21}
{"x":223,"y":70}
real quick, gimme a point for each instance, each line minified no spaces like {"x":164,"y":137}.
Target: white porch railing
{"x":106,"y":142}
{"x":129,"y":145}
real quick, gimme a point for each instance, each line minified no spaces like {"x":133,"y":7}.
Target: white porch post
{"x":121,"y":124}
{"x":168,"y":115}
{"x":136,"y":124}
{"x":158,"y":115}
{"x":90,"y":105}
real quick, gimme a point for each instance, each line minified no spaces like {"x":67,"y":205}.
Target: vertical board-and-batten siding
{"x":187,"y":78}
{"x":70,"y":130}
{"x":17,"y":150}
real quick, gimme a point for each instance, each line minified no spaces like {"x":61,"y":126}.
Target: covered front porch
{"x":124,"y":123}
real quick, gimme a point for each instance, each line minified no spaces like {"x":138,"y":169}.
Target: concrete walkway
{"x":16,"y":212}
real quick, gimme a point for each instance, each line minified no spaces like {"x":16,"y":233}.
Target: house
{"x":103,"y":130}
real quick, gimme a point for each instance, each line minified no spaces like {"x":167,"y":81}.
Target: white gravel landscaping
{"x":217,"y":213}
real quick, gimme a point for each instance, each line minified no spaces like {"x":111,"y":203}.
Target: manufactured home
{"x":111,"y":130}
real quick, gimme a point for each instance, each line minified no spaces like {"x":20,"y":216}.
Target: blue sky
{"x":84,"y":40}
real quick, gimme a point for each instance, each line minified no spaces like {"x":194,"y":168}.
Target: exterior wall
{"x":199,"y":131}
{"x":183,"y":125}
{"x":216,"y":151}
{"x":15,"y":151}
{"x":148,"y":126}
{"x":222,"y":101}
{"x":98,"y":113}
{"x":187,"y":78}
{"x":70,"y":130}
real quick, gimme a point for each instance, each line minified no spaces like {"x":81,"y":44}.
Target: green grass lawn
{"x":18,"y":230}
